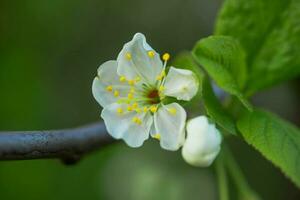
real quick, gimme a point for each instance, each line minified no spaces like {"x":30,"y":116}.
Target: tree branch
{"x":69,"y":144}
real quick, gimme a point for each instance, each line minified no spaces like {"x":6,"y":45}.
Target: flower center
{"x":153,"y":96}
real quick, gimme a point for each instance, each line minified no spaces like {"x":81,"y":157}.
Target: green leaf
{"x":276,"y":139}
{"x":215,"y":110}
{"x":224,"y":60}
{"x":269,"y":31}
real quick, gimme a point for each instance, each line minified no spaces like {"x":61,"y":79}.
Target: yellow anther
{"x":156,"y":136}
{"x":131,"y":82}
{"x":134,"y":105}
{"x":151,"y":54}
{"x":145,"y":109}
{"x":128,"y":56}
{"x":116,"y":93}
{"x":159,"y":77}
{"x":129,"y":108}
{"x":163,"y":73}
{"x":138,"y":110}
{"x":173,"y":111}
{"x":132,"y":90}
{"x":130,"y":96}
{"x":153,"y":109}
{"x":137,"y":79}
{"x":137,"y":120}
{"x":109,"y":88}
{"x":161,"y":88}
{"x":166,"y":57}
{"x":120,"y":110}
{"x":122,"y":78}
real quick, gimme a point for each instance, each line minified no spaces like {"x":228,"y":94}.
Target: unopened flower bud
{"x":203,"y":142}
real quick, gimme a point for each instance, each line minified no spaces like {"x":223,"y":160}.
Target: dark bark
{"x":69,"y":145}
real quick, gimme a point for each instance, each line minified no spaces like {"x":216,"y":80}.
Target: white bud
{"x":203,"y":142}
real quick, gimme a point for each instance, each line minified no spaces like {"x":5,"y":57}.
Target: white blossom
{"x":132,"y":90}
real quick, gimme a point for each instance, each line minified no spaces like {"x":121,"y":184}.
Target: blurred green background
{"x":50,"y":51}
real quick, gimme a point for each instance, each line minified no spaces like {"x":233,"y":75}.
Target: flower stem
{"x":245,"y":191}
{"x":222,"y":178}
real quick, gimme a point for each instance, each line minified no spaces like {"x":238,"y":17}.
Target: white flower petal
{"x":202,"y":144}
{"x":153,"y":131}
{"x":181,"y":84}
{"x":169,"y":122}
{"x":107,"y":76}
{"x":107,"y":71}
{"x":121,"y":125}
{"x":134,"y":60}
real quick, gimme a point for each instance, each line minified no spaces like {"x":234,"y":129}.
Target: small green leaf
{"x":276,"y":139}
{"x":224,"y":60}
{"x":215,"y":110}
{"x":269,"y":32}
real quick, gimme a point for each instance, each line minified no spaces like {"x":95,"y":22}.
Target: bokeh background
{"x":50,"y":51}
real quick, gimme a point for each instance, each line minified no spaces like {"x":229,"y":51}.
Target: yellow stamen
{"x":151,"y":54}
{"x":172,"y":111}
{"x":131,"y":82}
{"x":161,"y":88}
{"x":132,"y":90}
{"x":166,"y":57}
{"x":116,"y":93}
{"x":153,"y":109}
{"x":145,"y":109}
{"x":130,"y":96}
{"x":120,"y":110}
{"x":137,"y":79}
{"x":138,"y":110}
{"x":161,"y":76}
{"x":128,"y":56}
{"x":134,"y":105}
{"x":122,"y":78}
{"x":129,"y":108}
{"x":109,"y":88}
{"x":156,"y":136}
{"x":137,"y":120}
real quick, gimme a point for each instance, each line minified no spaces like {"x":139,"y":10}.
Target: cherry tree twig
{"x":69,"y":145}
